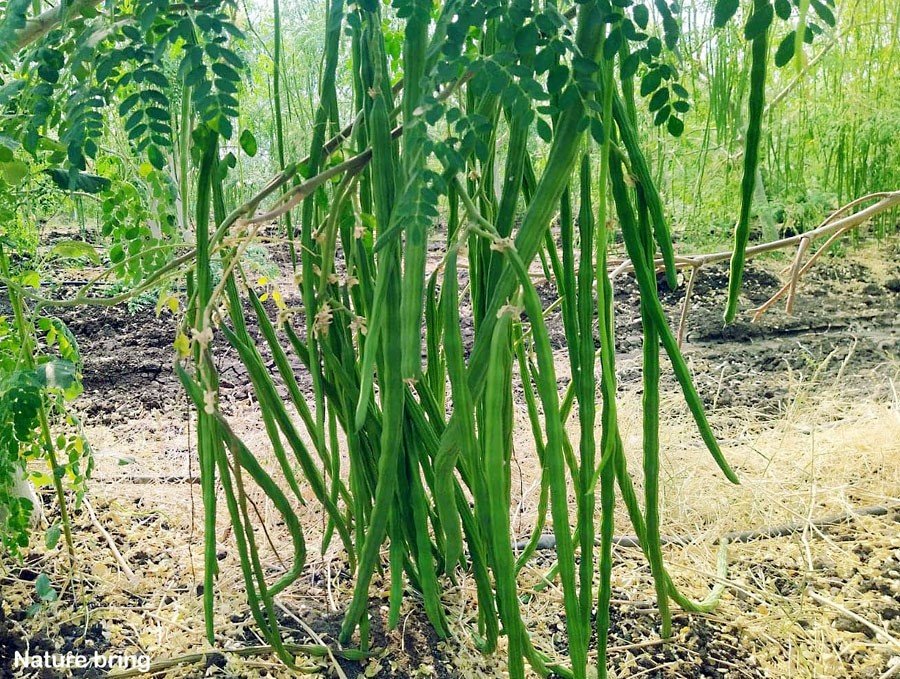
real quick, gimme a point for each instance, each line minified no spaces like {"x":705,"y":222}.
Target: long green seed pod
{"x":645,"y":278}
{"x":651,"y":435}
{"x":436,"y":370}
{"x":383,"y":169}
{"x":396,"y":566}
{"x":413,"y":162}
{"x":554,"y":452}
{"x":609,"y":417}
{"x":445,"y":460}
{"x":629,"y":498}
{"x":208,"y":443}
{"x":759,"y":55}
{"x":566,"y":285}
{"x":538,"y":436}
{"x":586,"y":386}
{"x":392,"y":413}
{"x":642,"y":172}
{"x":279,"y":122}
{"x":496,"y":465}
{"x":609,"y":421}
{"x":271,"y":401}
{"x":423,"y":547}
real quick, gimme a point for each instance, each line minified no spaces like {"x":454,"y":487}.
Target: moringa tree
{"x":448,"y":101}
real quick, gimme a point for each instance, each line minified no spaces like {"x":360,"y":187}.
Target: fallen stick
{"x":832,"y":227}
{"x":888,"y":200}
{"x":548,"y":540}
{"x":123,"y":564}
{"x":204,"y":656}
{"x":760,"y":310}
{"x":338,"y":670}
{"x":846,"y":612}
{"x":637,"y":645}
{"x":891,"y":671}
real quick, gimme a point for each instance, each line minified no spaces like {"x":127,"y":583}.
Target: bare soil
{"x":846,"y":313}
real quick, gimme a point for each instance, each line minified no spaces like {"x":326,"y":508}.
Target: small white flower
{"x":358,"y":324}
{"x":510,"y":310}
{"x":502,"y":244}
{"x":284,"y":317}
{"x":209,"y":402}
{"x":323,"y":320}
{"x":202,"y":337}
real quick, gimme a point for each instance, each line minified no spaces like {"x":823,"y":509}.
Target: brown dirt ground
{"x":806,"y":408}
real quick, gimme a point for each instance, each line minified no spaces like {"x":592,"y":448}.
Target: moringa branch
{"x":46,"y":21}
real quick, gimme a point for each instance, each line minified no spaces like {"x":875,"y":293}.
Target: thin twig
{"x":315,"y":637}
{"x":640,"y":644}
{"x":879,"y":632}
{"x":891,"y":671}
{"x":109,"y":539}
{"x":193,"y":658}
{"x":795,"y":275}
{"x":686,"y":305}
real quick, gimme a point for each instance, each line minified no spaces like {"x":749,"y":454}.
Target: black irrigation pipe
{"x":548,"y":541}
{"x":147,"y":480}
